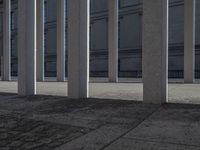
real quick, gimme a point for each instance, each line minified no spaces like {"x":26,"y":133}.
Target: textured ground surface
{"x":52,"y":122}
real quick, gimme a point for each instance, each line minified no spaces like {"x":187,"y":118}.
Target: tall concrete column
{"x":26,"y":47}
{"x":61,"y":40}
{"x":113,"y":40}
{"x":155,"y":51}
{"x":40,"y":40}
{"x":78,"y":48}
{"x":6,"y":58}
{"x":189,"y":41}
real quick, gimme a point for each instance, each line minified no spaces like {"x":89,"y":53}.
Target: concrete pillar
{"x":155,"y":51}
{"x":61,"y":40}
{"x":189,"y":41}
{"x":78,"y":50}
{"x":40,"y":40}
{"x":6,"y":58}
{"x":26,"y":47}
{"x":113,"y":40}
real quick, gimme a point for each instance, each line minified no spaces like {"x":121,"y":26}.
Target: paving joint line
{"x":162,"y":142}
{"x":148,"y":116}
{"x":79,"y":137}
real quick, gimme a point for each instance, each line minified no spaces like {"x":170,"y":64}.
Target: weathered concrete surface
{"x":46,"y":122}
{"x":125,"y":90}
{"x":130,"y":144}
{"x":175,"y":125}
{"x":52,"y":122}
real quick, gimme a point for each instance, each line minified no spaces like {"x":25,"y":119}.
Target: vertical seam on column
{"x":164,"y":9}
{"x":79,"y":50}
{"x":162,"y":48}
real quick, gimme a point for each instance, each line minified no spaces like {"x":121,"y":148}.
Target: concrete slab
{"x":125,"y":91}
{"x":21,"y":133}
{"x":171,"y":124}
{"x":86,"y":113}
{"x":50,"y":122}
{"x":97,"y":139}
{"x":184,"y":93}
{"x":130,"y":144}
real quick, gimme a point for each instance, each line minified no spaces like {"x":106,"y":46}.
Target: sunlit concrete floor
{"x":126,"y":89}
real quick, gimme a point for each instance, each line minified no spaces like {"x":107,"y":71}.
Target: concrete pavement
{"x":112,"y":119}
{"x":52,"y":122}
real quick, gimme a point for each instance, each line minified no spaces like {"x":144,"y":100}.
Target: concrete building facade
{"x":153,"y":36}
{"x":129,"y":40}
